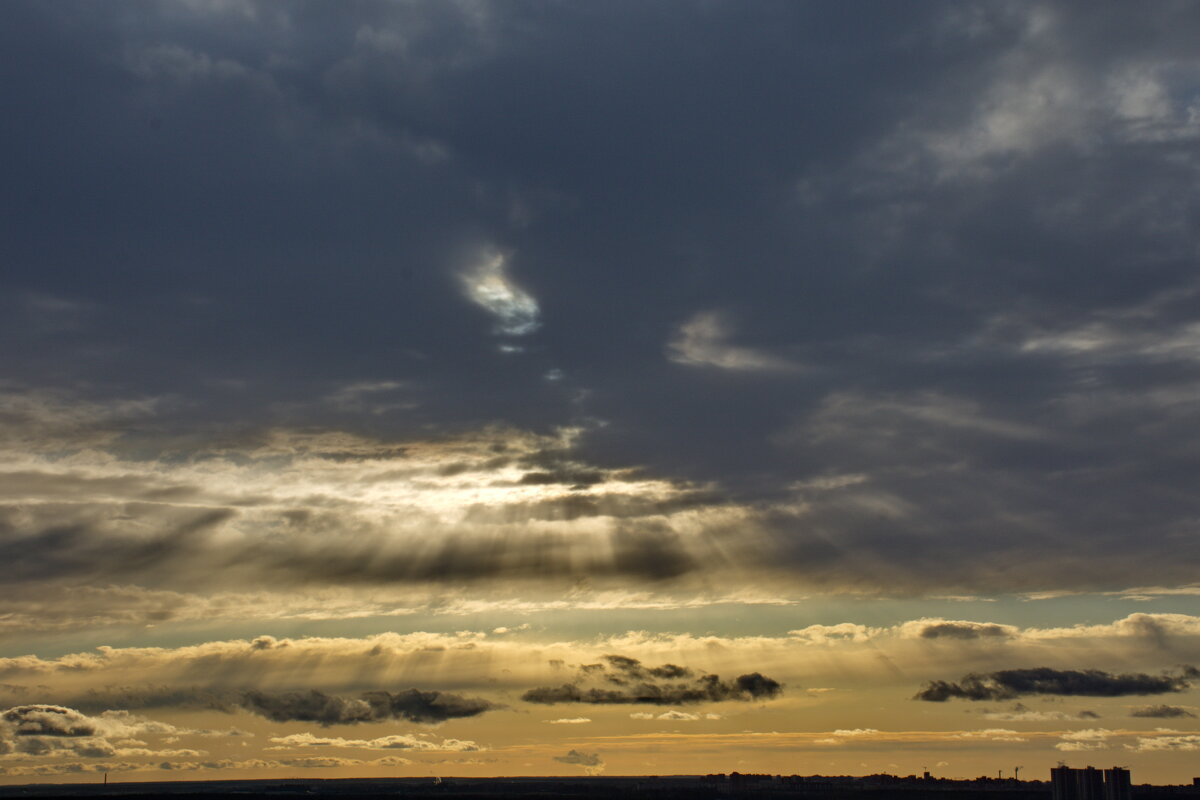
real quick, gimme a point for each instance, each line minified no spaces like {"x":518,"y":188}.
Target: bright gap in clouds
{"x":488,"y":285}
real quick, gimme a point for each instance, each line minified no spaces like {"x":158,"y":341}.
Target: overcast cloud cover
{"x":399,"y":310}
{"x":918,"y":283}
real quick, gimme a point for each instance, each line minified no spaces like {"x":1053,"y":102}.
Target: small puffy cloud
{"x":675,"y":715}
{"x":569,"y":721}
{"x":488,"y":285}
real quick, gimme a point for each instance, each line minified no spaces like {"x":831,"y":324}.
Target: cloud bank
{"x":1011,"y":683}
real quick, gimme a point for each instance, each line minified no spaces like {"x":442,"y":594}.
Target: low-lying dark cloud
{"x":412,"y":705}
{"x":1161,"y":712}
{"x":580,"y":758}
{"x":591,"y":762}
{"x":963,"y":630}
{"x":1011,"y":683}
{"x":625,"y":680}
{"x":311,"y":705}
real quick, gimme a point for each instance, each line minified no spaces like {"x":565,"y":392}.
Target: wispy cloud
{"x":703,"y":341}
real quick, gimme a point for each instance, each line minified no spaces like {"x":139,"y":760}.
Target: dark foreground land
{"x":619,"y":788}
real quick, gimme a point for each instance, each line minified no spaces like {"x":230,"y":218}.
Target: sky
{"x":560,"y":388}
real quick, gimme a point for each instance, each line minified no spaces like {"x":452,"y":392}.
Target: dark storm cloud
{"x":1161,"y":712}
{"x":950,"y":250}
{"x":1010,"y":683}
{"x":624,"y":680}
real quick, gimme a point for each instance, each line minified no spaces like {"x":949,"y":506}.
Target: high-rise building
{"x":1117,"y":785}
{"x":1062,"y":783}
{"x":1090,"y":783}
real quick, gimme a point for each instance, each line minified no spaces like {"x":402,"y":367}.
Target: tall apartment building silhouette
{"x":1090,"y":783}
{"x":1117,"y":785}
